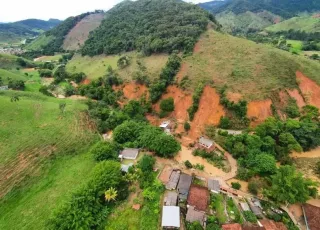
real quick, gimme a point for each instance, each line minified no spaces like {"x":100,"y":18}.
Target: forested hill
{"x":150,"y":26}
{"x":283,"y":8}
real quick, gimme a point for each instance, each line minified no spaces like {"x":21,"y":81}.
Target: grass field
{"x":49,"y":58}
{"x":38,"y":42}
{"x":6,"y":75}
{"x":305,"y":23}
{"x":39,"y":165}
{"x":95,"y":67}
{"x":253,"y":70}
{"x":296,"y":46}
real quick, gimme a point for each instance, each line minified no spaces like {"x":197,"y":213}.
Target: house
{"x":171,"y":198}
{"x":206,"y":143}
{"x":244,"y":206}
{"x":165,"y":125}
{"x":170,"y":217}
{"x":231,"y":227}
{"x":312,"y":216}
{"x":129,"y":153}
{"x":198,"y":197}
{"x":272,"y":225}
{"x":184,"y":186}
{"x":125,"y":168}
{"x":194,"y":215}
{"x":256,"y":210}
{"x":173,"y":180}
{"x":214,"y":185}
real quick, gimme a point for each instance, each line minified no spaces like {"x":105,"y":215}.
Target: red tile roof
{"x":199,"y":197}
{"x":231,"y":227}
{"x":313,"y":216}
{"x":271,"y":225}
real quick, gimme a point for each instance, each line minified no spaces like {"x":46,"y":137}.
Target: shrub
{"x":16,"y":84}
{"x":292,"y":109}
{"x":253,"y":187}
{"x":167,"y":105}
{"x":146,"y":163}
{"x":317,"y":168}
{"x":236,"y":185}
{"x":196,"y":100}
{"x":210,"y":131}
{"x":249,"y":216}
{"x":187,"y":126}
{"x":45,"y":90}
{"x":188,"y":164}
{"x":225,"y":123}
{"x":45,"y":72}
{"x":105,"y":151}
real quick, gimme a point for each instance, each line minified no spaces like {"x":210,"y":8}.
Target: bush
{"x":225,"y":123}
{"x":45,"y":90}
{"x":146,"y":163}
{"x":187,"y":126}
{"x":210,"y":131}
{"x":244,"y":174}
{"x":188,"y":164}
{"x":105,"y":151}
{"x":128,"y":131}
{"x":292,"y":109}
{"x":317,"y":168}
{"x":196,"y":100}
{"x":253,"y":187}
{"x":16,"y":84}
{"x":249,"y":216}
{"x":167,"y":105}
{"x":45,"y":72}
{"x":236,"y":185}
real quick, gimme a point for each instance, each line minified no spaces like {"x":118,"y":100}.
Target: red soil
{"x":209,"y":112}
{"x":134,"y":91}
{"x":258,"y":111}
{"x":182,"y":72}
{"x":310,"y":89}
{"x":86,"y":81}
{"x":277,"y":20}
{"x":235,"y":97}
{"x":284,"y":97}
{"x":197,"y":47}
{"x":182,"y":101}
{"x":294,"y":93}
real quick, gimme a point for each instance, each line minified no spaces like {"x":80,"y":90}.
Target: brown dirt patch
{"x":182,"y":72}
{"x":259,"y":111}
{"x":284,"y":98}
{"x":165,"y":174}
{"x":316,"y":16}
{"x":235,"y":97}
{"x":198,"y":197}
{"x":29,"y":69}
{"x":134,"y":91}
{"x":244,"y":184}
{"x":209,"y":112}
{"x":79,"y":34}
{"x":315,"y":153}
{"x":310,"y":89}
{"x":197,"y":47}
{"x":85,"y":82}
{"x":295,"y":94}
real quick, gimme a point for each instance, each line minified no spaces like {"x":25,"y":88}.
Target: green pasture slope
{"x":43,"y":157}
{"x":305,"y":23}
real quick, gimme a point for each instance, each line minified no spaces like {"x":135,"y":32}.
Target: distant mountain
{"x":16,"y":31}
{"x":254,"y":15}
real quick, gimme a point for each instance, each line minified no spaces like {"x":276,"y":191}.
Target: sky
{"x":15,"y":10}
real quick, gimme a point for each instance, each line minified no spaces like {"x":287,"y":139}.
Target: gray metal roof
{"x":214,"y":185}
{"x":173,"y":180}
{"x":193,"y":215}
{"x":171,"y":198}
{"x":125,"y":168}
{"x":184,"y":186}
{"x":170,"y":216}
{"x":129,"y":153}
{"x":245,"y":206}
{"x":206,"y":142}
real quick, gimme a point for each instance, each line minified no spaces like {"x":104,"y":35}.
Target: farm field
{"x":253,"y":70}
{"x":43,"y":157}
{"x":95,"y":67}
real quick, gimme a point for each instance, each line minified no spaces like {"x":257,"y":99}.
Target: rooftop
{"x":129,"y":153}
{"x":171,"y":198}
{"x":193,"y":215}
{"x":198,"y":197}
{"x":173,"y":180}
{"x":184,"y":185}
{"x":313,"y":216}
{"x":244,"y":206}
{"x":205,"y":142}
{"x":171,"y":216}
{"x":214,"y":185}
{"x":125,"y":168}
{"x":164,"y":124}
{"x":271,"y":225}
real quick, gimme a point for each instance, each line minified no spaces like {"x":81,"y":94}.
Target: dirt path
{"x":315,"y":153}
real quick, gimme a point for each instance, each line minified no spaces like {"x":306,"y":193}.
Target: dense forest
{"x":150,"y":26}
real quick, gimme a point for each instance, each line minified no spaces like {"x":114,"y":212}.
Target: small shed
{"x":129,"y":153}
{"x":194,"y":215}
{"x":125,"y":168}
{"x":173,"y":180}
{"x":171,"y":198}
{"x":256,"y":210}
{"x":214,"y":185}
{"x":244,"y":206}
{"x":184,"y":186}
{"x":170,"y":217}
{"x":205,"y":142}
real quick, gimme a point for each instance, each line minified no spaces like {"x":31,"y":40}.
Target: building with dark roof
{"x":198,"y":197}
{"x":184,"y":186}
{"x":214,"y":185}
{"x":173,"y":180}
{"x":171,"y":198}
{"x":194,"y":215}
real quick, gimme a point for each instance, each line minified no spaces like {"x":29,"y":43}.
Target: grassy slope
{"x":253,"y":70}
{"x":306,"y":23}
{"x":5,"y":74}
{"x":54,"y":58}
{"x":38,"y":42}
{"x":32,"y":132}
{"x":296,"y":46}
{"x":95,"y":67}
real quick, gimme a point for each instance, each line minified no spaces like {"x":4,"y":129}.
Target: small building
{"x":198,"y":197}
{"x":173,"y":180}
{"x":244,"y":206}
{"x":214,"y":185}
{"x":4,"y":87}
{"x":165,"y":125}
{"x":171,"y":198}
{"x":256,"y":210}
{"x":231,"y":227}
{"x":170,"y":217}
{"x":194,"y":215}
{"x":184,"y":186}
{"x":129,"y":153}
{"x":206,"y":143}
{"x":125,"y":168}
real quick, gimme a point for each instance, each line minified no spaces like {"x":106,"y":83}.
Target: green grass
{"x":40,"y":157}
{"x":40,"y":41}
{"x":217,"y":203}
{"x":296,"y":46}
{"x":6,"y":75}
{"x":305,"y":23}
{"x":253,"y":70}
{"x":53,"y":58}
{"x":234,"y":212}
{"x":95,"y":67}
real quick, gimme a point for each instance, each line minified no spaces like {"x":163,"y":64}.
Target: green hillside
{"x":5,"y":75}
{"x":40,"y":157}
{"x":150,"y":26}
{"x":8,"y":61}
{"x":304,"y":23}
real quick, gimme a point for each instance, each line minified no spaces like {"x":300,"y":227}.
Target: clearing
{"x":305,"y":23}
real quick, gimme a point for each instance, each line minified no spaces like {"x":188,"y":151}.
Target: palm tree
{"x":111,"y":194}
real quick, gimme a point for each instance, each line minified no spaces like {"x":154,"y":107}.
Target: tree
{"x":111,"y":194}
{"x":289,"y":186}
{"x":186,"y":126}
{"x":210,"y":131}
{"x":165,"y":146}
{"x":253,"y":187}
{"x":236,"y":185}
{"x":188,"y":164}
{"x":16,"y":84}
{"x":105,"y":151}
{"x":265,"y":164}
{"x":213,"y":226}
{"x":225,"y":123}
{"x":60,"y":74}
{"x":1,"y":81}
{"x":128,"y":131}
{"x":123,"y":62}
{"x":167,"y":105}
{"x":135,"y":110}
{"x":146,"y":163}
{"x":62,"y":107}
{"x":194,"y":226}
{"x":249,"y":216}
